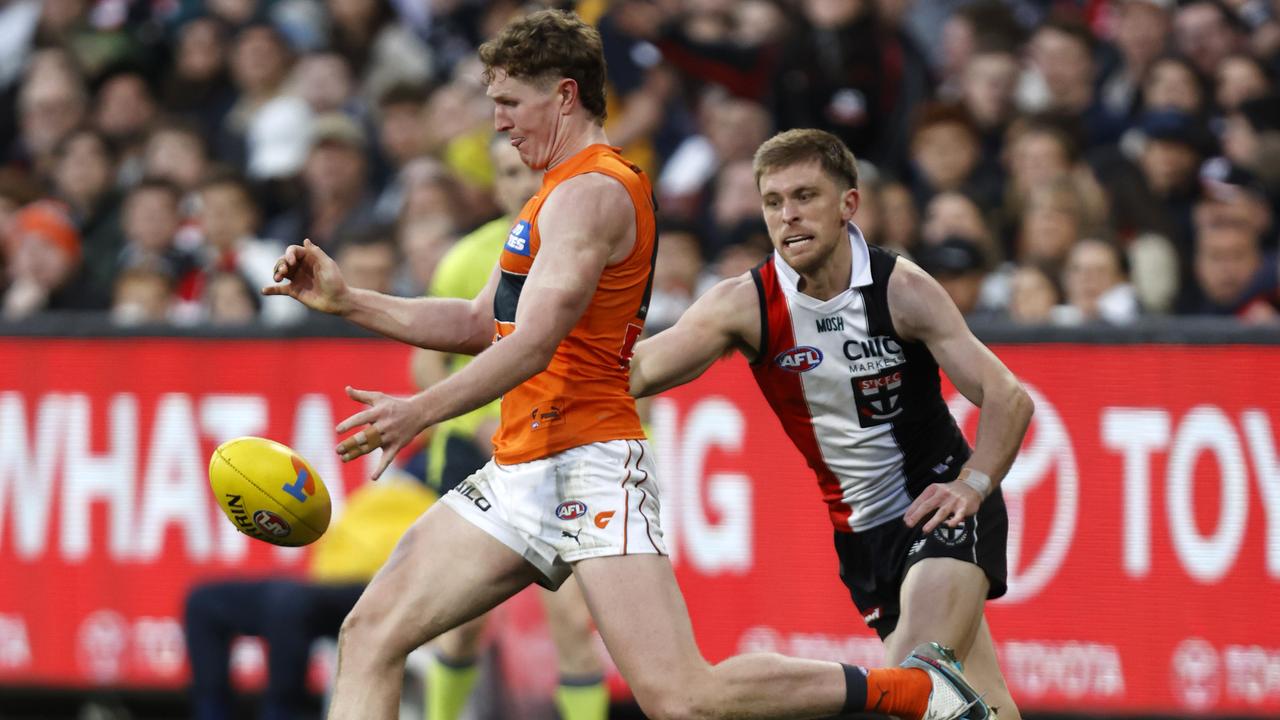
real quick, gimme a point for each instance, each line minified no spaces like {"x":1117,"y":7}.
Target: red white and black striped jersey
{"x":860,"y":403}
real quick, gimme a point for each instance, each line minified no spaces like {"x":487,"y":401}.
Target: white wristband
{"x":977,"y":480}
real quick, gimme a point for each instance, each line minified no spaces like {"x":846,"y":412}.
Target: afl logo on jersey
{"x":571,"y":509}
{"x":799,"y":359}
{"x":518,"y":238}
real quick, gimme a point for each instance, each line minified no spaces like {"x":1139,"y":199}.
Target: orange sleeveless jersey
{"x":582,"y":397}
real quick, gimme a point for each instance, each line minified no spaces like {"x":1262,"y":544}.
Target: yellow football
{"x":269,"y":492}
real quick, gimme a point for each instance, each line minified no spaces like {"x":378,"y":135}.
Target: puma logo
{"x":572,"y":536}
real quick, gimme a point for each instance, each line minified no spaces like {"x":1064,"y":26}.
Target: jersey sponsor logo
{"x":468,"y":490}
{"x":518,"y":238}
{"x":541,"y":417}
{"x":878,"y":397}
{"x":872,"y":616}
{"x":571,"y":509}
{"x":271,"y":523}
{"x":602,"y":518}
{"x":802,"y":358}
{"x":830,"y":324}
{"x":872,"y":347}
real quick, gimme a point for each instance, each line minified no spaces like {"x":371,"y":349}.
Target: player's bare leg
{"x":983,"y":672}
{"x":580,"y":692}
{"x":452,"y":670}
{"x":444,"y":572}
{"x":569,"y":622}
{"x":642,"y":617}
{"x":941,"y":601}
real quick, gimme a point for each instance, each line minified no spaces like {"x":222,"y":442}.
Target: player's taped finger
{"x":370,"y":437}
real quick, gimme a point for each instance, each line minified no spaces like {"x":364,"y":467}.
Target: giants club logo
{"x":799,"y":359}
{"x":571,"y":509}
{"x":878,"y":397}
{"x":271,"y":523}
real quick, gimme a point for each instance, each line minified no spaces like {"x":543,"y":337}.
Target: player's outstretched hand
{"x":948,"y":503}
{"x":314,"y":279}
{"x":389,"y":423}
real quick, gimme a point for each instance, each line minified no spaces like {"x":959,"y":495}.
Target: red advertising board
{"x":1144,"y":536}
{"x":106,"y":517}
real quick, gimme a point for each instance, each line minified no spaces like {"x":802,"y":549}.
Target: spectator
{"x":1227,"y":262}
{"x":368,"y":260}
{"x":401,"y":138}
{"x":987,"y":87}
{"x":676,"y":275}
{"x":431,"y":192}
{"x":1034,"y":295}
{"x":176,"y":151}
{"x":1155,"y":191}
{"x":1173,"y":83}
{"x":1061,"y":80}
{"x":84,"y":179}
{"x":900,"y":218}
{"x":1097,"y":287}
{"x":143,"y":295}
{"x":1251,"y":141}
{"x":124,"y":109}
{"x":228,"y":218}
{"x":380,"y":50}
{"x":956,"y":214}
{"x":945,"y":147}
{"x":335,"y":201}
{"x":52,"y":102}
{"x":422,"y":243}
{"x":1140,"y":34}
{"x":1239,"y":78}
{"x":150,"y":218}
{"x":229,"y":299}
{"x":957,"y":264}
{"x":260,"y":62}
{"x":198,"y":85}
{"x":734,"y":205}
{"x":43,"y":261}
{"x":325,"y":82}
{"x":1054,"y":220}
{"x":730,"y":130}
{"x":1206,"y":32}
{"x":846,"y":73}
{"x":972,"y":29}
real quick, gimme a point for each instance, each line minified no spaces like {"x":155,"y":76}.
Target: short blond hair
{"x":802,"y":145}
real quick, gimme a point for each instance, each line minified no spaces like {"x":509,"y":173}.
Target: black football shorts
{"x":873,"y":563}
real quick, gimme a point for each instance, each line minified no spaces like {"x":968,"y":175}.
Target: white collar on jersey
{"x":861,"y":275}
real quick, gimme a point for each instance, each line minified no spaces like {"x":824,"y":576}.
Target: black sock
{"x":855,"y":689}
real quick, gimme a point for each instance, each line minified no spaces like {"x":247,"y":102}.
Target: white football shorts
{"x":589,"y":501}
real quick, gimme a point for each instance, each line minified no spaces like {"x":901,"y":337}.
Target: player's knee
{"x":677,"y":700}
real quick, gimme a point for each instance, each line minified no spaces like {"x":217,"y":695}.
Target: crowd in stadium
{"x":1049,"y":162}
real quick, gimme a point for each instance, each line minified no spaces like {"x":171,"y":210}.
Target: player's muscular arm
{"x":726,"y":317}
{"x":447,"y":324}
{"x":922,"y":310}
{"x":585,"y":222}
